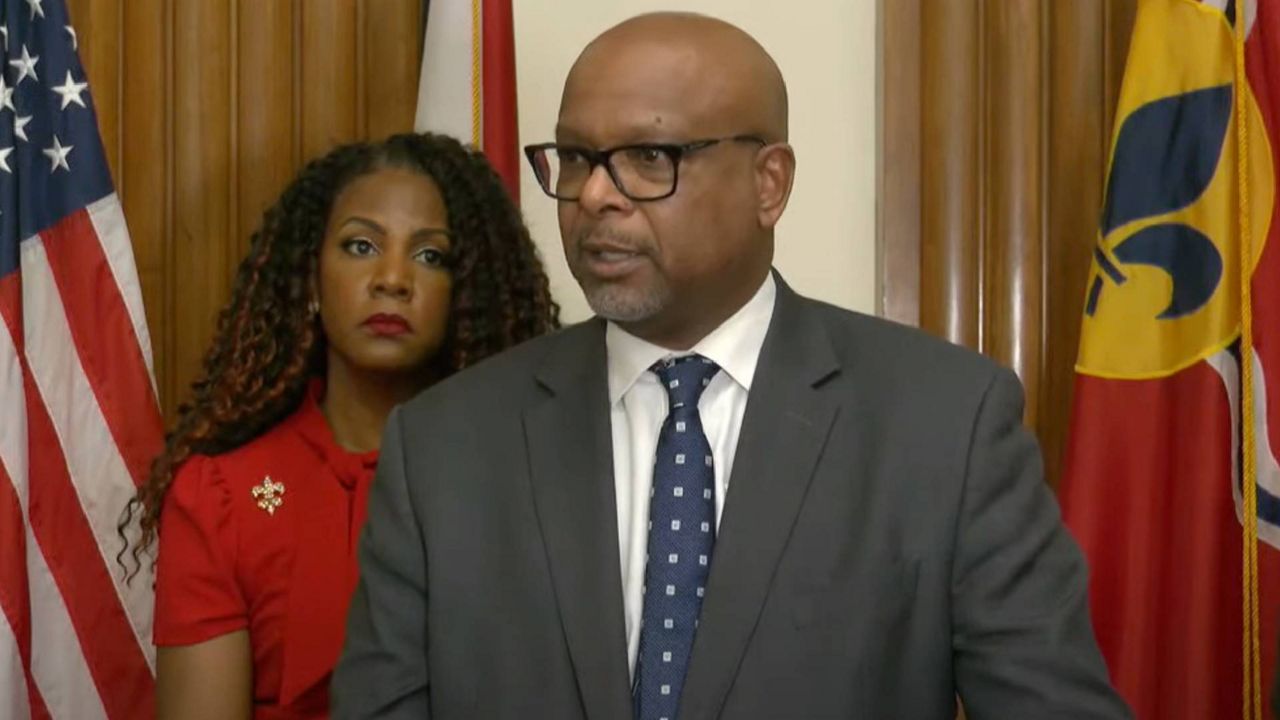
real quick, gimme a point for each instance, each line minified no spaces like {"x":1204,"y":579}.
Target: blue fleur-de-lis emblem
{"x":1166,"y":154}
{"x":1163,"y":291}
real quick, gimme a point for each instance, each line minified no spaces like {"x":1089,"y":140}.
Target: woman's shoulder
{"x":244,"y":467}
{"x":216,"y":557}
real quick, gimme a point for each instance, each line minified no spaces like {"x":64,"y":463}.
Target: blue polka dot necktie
{"x":682,"y":527}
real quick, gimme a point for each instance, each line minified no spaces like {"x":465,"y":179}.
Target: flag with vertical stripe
{"x":468,"y":84}
{"x":1172,"y":484}
{"x":79,"y":423}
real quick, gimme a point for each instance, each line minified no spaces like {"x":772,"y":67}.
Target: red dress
{"x":280,"y":563}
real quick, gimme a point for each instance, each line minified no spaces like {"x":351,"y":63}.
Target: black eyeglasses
{"x":641,"y":172}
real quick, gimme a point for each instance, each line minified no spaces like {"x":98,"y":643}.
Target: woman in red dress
{"x":381,"y":269}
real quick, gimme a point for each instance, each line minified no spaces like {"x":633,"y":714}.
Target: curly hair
{"x":268,"y":344}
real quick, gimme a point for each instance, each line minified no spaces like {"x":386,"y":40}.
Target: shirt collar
{"x":310,"y":423}
{"x":734,"y":346}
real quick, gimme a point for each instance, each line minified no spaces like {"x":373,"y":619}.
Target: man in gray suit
{"x":717,"y":499}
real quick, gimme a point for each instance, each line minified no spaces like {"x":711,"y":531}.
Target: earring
{"x":313,"y":307}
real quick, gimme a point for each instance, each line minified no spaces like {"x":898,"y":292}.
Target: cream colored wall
{"x":827,"y":52}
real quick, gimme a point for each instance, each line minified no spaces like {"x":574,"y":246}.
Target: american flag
{"x":78,"y":416}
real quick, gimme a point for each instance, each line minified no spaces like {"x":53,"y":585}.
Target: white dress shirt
{"x":638,"y":407}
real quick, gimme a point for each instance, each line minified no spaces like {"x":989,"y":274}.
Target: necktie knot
{"x":685,"y":378}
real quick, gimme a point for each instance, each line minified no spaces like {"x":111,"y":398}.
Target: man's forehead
{"x":646,"y":99}
{"x":618,"y":114}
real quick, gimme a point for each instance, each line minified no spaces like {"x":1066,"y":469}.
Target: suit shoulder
{"x":501,"y":378}
{"x":894,"y":350}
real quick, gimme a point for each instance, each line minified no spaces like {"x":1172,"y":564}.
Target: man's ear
{"x":775,"y":173}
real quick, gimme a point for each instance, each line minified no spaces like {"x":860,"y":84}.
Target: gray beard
{"x":624,"y":305}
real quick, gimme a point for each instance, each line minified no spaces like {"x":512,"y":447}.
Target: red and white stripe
{"x":468,"y":84}
{"x":79,"y":425}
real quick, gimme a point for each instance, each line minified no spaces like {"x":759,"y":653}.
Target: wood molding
{"x":995,"y":121}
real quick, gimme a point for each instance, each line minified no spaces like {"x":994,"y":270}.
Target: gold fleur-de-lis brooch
{"x":268,"y":494}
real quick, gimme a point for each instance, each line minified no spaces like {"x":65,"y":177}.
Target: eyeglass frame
{"x":597,"y":158}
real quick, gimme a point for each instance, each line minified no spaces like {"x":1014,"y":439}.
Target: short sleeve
{"x":198,"y":596}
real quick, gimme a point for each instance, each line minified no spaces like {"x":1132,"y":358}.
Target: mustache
{"x":614,"y":237}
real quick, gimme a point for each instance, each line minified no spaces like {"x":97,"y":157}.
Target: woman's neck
{"x":356,"y":404}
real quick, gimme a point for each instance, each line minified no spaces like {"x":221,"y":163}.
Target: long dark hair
{"x":268,"y":344}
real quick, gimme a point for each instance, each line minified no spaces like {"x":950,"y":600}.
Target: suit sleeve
{"x":383,"y":668}
{"x":1023,"y":642}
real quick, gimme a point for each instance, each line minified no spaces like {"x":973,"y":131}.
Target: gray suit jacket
{"x":887,"y":543}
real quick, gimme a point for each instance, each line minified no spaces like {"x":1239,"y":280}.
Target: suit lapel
{"x":570,"y":456}
{"x":784,"y":429}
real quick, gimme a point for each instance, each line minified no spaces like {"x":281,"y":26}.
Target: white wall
{"x":827,"y":52}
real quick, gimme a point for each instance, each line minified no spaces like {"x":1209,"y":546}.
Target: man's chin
{"x":624,"y":305}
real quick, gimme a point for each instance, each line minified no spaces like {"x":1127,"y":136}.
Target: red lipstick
{"x":387,"y":324}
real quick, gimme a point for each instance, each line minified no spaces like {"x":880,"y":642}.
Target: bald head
{"x":674,"y":232}
{"x":718,"y":75}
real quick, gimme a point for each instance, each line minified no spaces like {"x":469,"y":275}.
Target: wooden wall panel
{"x":1012,"y":133}
{"x":265,"y":113}
{"x":951,"y":249}
{"x":207,"y":109}
{"x":1076,"y":160}
{"x":328,"y":86}
{"x":898,"y":162}
{"x":389,"y":26}
{"x":986,"y":232}
{"x":202,"y":256}
{"x":143,"y":173}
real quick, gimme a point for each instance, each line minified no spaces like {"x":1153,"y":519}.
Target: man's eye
{"x":649,"y":156}
{"x":646,"y":157}
{"x":569,"y":156}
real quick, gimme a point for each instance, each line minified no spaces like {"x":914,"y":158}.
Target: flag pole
{"x":477,"y":75}
{"x":1250,"y":646}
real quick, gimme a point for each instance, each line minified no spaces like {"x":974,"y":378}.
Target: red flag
{"x":79,"y":423}
{"x":468,"y":83}
{"x":1154,"y":485}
